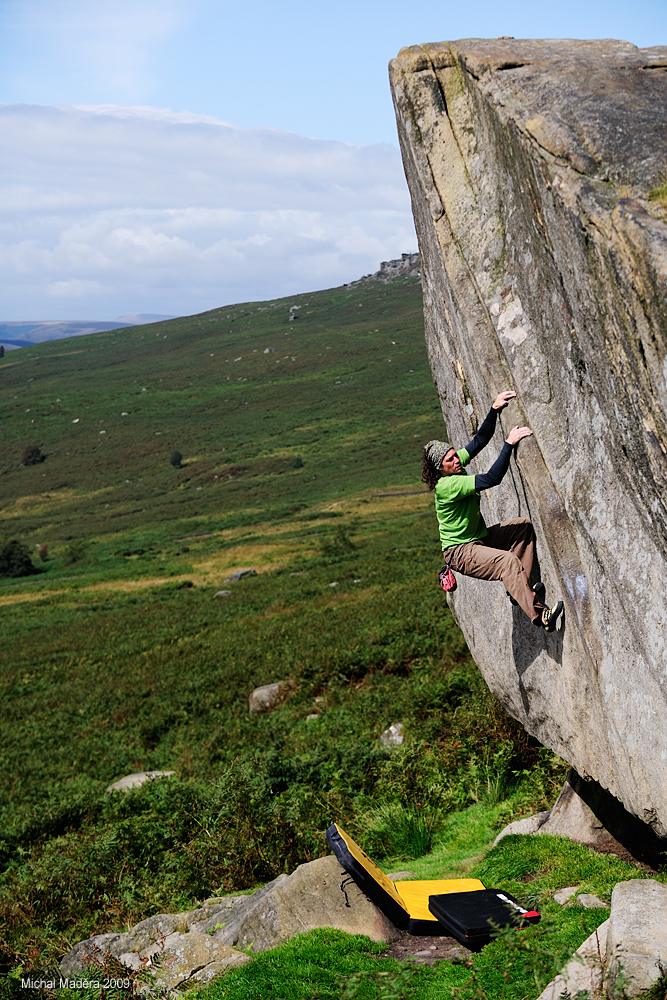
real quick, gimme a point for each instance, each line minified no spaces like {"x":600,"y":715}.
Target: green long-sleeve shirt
{"x":457,"y":507}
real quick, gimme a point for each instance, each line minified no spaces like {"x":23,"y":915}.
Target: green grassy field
{"x":301,"y":447}
{"x":346,"y":389}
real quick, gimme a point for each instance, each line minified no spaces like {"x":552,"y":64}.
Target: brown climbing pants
{"x":505,"y":554}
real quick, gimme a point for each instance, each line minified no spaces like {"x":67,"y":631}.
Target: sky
{"x":164,"y":156}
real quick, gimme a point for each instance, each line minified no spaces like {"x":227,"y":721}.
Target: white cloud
{"x":114,"y":210}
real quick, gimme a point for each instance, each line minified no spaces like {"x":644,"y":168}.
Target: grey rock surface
{"x":144,"y":939}
{"x":137,"y":780}
{"x":393,"y":736}
{"x":187,"y":954}
{"x":292,"y":904}
{"x":591,"y":902}
{"x":240,"y":574}
{"x":530,"y":165}
{"x":572,"y":818}
{"x":583,"y":973}
{"x":222,"y":593}
{"x":264,"y":698}
{"x":562,"y":896}
{"x":527,"y":825}
{"x":636,"y":938}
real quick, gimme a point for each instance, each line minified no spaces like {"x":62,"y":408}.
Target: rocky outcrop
{"x":203,"y":943}
{"x":531,"y":165}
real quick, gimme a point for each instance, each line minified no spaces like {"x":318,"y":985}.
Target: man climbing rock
{"x":502,"y":552}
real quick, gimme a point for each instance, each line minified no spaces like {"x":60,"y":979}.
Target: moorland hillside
{"x":300,"y":450}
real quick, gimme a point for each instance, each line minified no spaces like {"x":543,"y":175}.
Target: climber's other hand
{"x":502,"y":399}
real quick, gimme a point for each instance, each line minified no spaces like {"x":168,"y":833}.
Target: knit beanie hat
{"x":436,"y":451}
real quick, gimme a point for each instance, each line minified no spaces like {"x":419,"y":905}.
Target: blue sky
{"x":319,"y":69}
{"x":108,"y":211}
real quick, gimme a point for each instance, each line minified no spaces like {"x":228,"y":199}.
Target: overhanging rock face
{"x":530,"y":165}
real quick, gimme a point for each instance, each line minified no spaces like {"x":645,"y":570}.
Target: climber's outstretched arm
{"x":488,"y":426}
{"x":494,"y":476}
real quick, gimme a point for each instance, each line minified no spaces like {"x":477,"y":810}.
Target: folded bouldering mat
{"x":471,"y":917}
{"x":406,"y":903}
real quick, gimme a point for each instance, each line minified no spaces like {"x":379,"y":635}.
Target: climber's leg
{"x":516,"y":536}
{"x":480,"y":560}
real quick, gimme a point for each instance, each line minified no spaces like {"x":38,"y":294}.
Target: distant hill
{"x":24,"y":333}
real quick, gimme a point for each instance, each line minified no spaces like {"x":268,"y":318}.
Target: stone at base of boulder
{"x":572,"y":818}
{"x":528,"y":825}
{"x":580,"y":813}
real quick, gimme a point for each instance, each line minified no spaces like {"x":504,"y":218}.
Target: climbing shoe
{"x":538,"y":589}
{"x":550,"y":616}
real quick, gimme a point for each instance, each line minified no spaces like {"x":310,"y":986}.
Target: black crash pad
{"x":471,"y":917}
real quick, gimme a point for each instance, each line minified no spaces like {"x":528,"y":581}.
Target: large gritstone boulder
{"x":535,"y":169}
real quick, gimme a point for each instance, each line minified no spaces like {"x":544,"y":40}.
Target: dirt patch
{"x":426,"y":950}
{"x":613,"y":847}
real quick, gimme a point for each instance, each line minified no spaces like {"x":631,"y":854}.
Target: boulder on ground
{"x":137,"y":780}
{"x":222,"y":593}
{"x":545,"y":271}
{"x":264,"y":698}
{"x":200,"y":944}
{"x":637,"y":937}
{"x":142,"y":940}
{"x":240,"y":574}
{"x":293,"y":904}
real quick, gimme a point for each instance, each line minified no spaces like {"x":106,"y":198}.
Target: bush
{"x":15,"y":559}
{"x":297,"y":463}
{"x":339,"y":543}
{"x":176,"y":459}
{"x":75,"y":551}
{"x":32,"y":455}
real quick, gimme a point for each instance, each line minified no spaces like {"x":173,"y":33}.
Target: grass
{"x":346,"y":389}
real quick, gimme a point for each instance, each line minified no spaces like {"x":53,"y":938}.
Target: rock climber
{"x":502,"y":552}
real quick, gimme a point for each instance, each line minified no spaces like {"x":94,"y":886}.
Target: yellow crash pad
{"x":404,"y":902}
